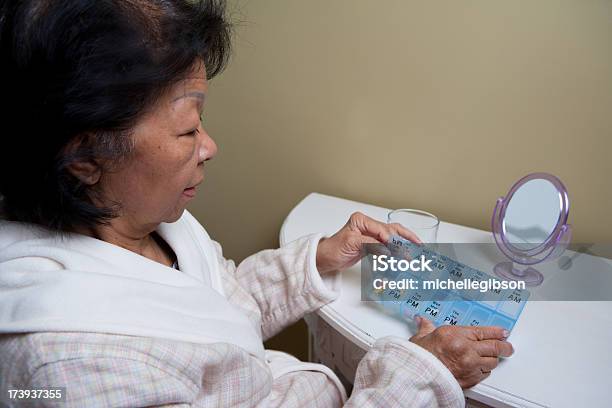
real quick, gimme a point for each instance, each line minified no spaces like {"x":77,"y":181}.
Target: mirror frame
{"x":555,"y":242}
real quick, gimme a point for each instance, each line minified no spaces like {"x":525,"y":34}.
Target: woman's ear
{"x":82,"y":167}
{"x":86,"y":171}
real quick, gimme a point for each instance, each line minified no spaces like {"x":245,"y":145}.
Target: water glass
{"x":422,"y":223}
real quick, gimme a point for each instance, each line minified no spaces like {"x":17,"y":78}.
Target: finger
{"x":369,"y":240}
{"x":372,"y":247}
{"x":370,"y":227}
{"x":494,"y":348}
{"x":425,"y":327}
{"x":488,"y":364}
{"x":489,"y":332}
{"x":399,"y":229}
{"x":473,"y":379}
{"x":484,"y":374}
{"x":381,"y":231}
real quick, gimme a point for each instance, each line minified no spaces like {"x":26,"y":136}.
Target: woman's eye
{"x":192,"y":133}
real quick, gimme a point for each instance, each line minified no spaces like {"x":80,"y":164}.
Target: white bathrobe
{"x":120,"y":330}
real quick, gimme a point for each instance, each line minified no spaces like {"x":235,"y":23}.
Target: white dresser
{"x":563,"y":350}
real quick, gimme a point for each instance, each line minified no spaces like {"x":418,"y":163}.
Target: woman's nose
{"x":208,"y":147}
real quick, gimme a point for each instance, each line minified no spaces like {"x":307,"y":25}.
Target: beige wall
{"x":432,"y":105}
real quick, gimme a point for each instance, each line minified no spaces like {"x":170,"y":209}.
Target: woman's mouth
{"x":189,"y":192}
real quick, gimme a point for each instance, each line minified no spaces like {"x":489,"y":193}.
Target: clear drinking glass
{"x":423,"y":224}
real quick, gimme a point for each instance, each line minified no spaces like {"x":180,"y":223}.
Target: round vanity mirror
{"x":532,"y":214}
{"x":530,"y":226}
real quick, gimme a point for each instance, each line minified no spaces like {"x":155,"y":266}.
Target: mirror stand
{"x":529,"y":275}
{"x":530,"y":226}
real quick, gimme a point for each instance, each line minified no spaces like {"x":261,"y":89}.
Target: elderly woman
{"x":109,"y":287}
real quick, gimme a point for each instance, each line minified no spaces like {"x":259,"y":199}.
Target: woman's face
{"x":170,"y":147}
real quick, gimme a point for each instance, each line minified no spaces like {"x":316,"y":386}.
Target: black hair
{"x":87,"y":70}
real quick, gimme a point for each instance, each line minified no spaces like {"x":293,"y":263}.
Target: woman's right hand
{"x":470,"y":353}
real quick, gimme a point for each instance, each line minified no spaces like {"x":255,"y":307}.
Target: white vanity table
{"x":563,"y":350}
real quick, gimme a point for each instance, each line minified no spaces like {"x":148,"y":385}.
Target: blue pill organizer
{"x":450,"y":306}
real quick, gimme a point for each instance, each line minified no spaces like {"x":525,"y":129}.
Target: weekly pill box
{"x":466,"y":307}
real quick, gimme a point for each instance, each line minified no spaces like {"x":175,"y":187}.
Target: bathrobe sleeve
{"x":398,"y":373}
{"x":284,"y":283}
{"x":100,"y":370}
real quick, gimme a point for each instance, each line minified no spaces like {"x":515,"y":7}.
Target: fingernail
{"x":505,"y":333}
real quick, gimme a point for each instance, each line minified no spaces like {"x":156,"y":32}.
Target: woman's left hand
{"x":344,"y":248}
